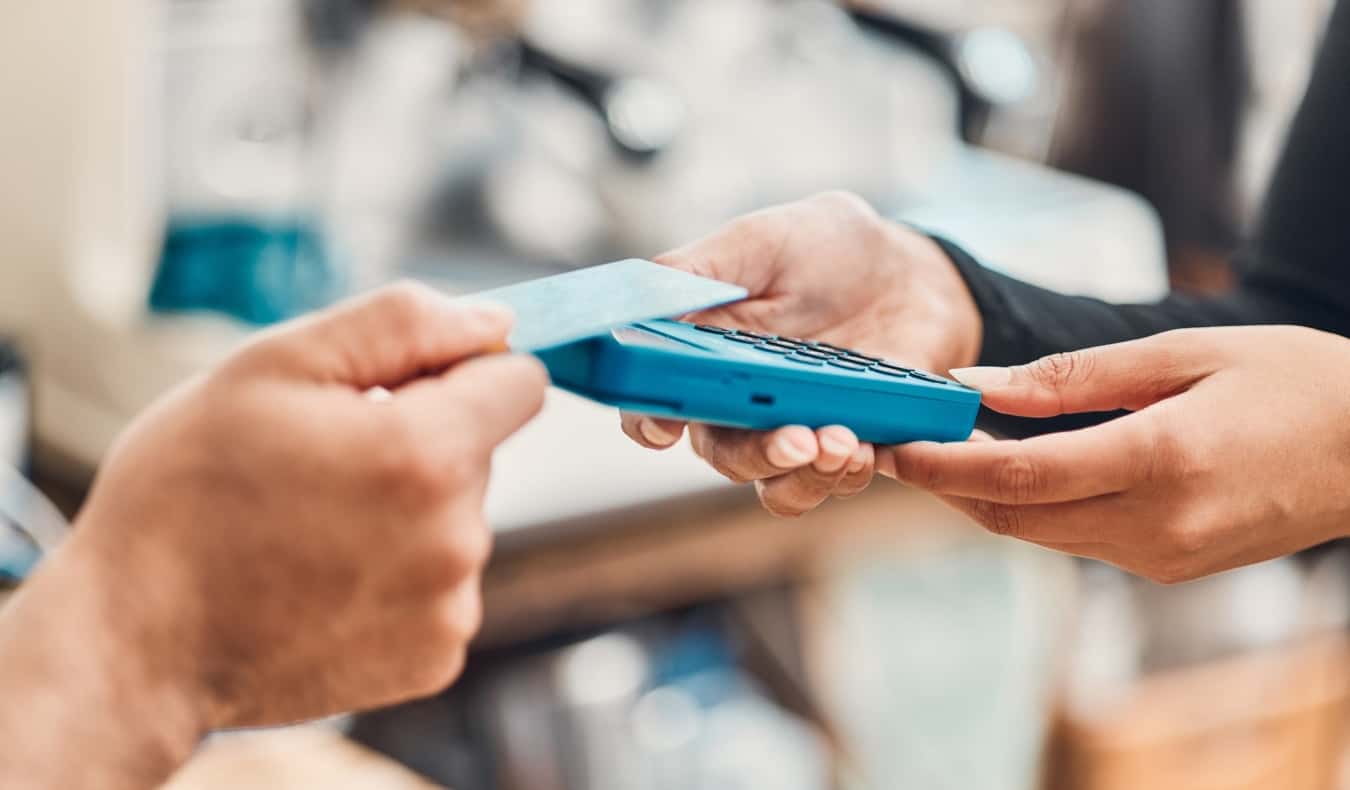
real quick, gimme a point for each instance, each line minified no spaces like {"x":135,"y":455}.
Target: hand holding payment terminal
{"x":601,"y":332}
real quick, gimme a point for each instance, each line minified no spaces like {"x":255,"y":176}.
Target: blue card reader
{"x":759,"y":381}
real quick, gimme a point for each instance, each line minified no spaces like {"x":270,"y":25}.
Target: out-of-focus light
{"x":666,"y":719}
{"x":602,"y":670}
{"x":644,"y":116}
{"x":998,"y":65}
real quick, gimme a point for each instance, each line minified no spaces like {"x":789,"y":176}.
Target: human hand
{"x":1238,"y":451}
{"x":828,"y":269}
{"x":271,"y":544}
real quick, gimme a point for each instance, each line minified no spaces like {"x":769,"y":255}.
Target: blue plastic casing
{"x":672,"y":369}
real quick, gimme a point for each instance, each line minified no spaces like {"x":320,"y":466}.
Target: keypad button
{"x":846,"y":365}
{"x":887,"y":370}
{"x":783,"y":345}
{"x":918,"y":374}
{"x":755,"y":335}
{"x":772,"y":349}
{"x":739,"y":338}
{"x":804,"y":360}
{"x":796,"y":341}
{"x":716,"y":330}
{"x":866,"y":362}
{"x":820,"y":355}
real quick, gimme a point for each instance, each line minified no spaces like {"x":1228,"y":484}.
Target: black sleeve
{"x":1295,"y":271}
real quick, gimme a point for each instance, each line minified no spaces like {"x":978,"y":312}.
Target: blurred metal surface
{"x":30,"y":526}
{"x":14,"y":407}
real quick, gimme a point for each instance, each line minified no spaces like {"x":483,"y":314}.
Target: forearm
{"x":82,"y":705}
{"x":1022,"y":322}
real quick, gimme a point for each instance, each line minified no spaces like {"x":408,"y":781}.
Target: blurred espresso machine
{"x":178,"y":173}
{"x":80,"y":219}
{"x":163,"y":194}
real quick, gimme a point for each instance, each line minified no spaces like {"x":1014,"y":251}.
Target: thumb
{"x":1128,"y":376}
{"x":743,"y":252}
{"x":386,"y":338}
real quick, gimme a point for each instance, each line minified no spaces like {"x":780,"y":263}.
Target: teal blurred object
{"x":19,"y":555}
{"x":30,"y":526}
{"x":257,"y":272}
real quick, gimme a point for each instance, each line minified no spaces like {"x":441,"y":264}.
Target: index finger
{"x":384,"y":338}
{"x":1061,"y":467}
{"x":738,"y":252}
{"x":476,"y":404}
{"x":654,"y":433}
{"x":742,"y":456}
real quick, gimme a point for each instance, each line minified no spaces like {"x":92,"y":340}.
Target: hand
{"x":827,"y":269}
{"x":271,"y":544}
{"x":1237,"y":451}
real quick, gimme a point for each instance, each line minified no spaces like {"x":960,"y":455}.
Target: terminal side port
{"x":759,"y":399}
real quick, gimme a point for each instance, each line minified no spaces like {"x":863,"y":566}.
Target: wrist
{"x":952,"y":308}
{"x":85,"y":671}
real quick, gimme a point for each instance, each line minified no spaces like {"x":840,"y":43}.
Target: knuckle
{"x":470,"y":546}
{"x":747,"y":230}
{"x":628,"y":423}
{"x":462,"y":614}
{"x":403,"y":304}
{"x":1016,"y":479}
{"x":1185,"y":538}
{"x":777,"y":504}
{"x":1171,"y":572}
{"x":844,"y":202}
{"x":1064,"y":368}
{"x":729,"y":470}
{"x":405,"y":308}
{"x":853,"y":485}
{"x":1180,"y":551}
{"x":918,"y":471}
{"x":724,"y":455}
{"x":784,"y":510}
{"x":998,"y":518}
{"x":405,"y":296}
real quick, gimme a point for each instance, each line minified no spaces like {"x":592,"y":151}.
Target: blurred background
{"x":179,"y":173}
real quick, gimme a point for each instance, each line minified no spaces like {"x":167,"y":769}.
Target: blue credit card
{"x":584,"y":303}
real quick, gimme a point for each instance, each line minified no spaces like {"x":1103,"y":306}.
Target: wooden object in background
{"x":1267,"y":720}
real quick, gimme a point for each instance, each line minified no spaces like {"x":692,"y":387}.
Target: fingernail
{"x":834,"y":445}
{"x":490,"y":313}
{"x":857,"y":462}
{"x":983,"y":378}
{"x":792,"y":449}
{"x":654,"y":433}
